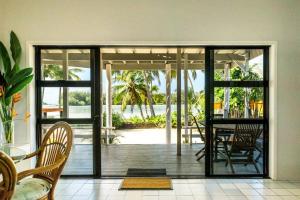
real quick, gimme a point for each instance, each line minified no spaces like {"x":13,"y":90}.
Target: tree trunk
{"x":149,"y":94}
{"x":141,"y":111}
{"x":192,"y":86}
{"x":246,"y":99}
{"x":146,"y":109}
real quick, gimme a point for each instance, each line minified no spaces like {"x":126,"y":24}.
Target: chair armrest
{"x":40,"y":170}
{"x":32,"y":154}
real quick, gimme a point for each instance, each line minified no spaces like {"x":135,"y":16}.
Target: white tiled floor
{"x":183,"y":189}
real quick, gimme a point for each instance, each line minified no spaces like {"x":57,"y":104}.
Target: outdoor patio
{"x":116,"y":159}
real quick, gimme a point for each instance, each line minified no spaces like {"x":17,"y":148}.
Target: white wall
{"x":1,"y":19}
{"x":170,"y":21}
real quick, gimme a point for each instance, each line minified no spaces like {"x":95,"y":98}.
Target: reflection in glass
{"x":72,"y":102}
{"x":80,"y":160}
{"x":238,"y":148}
{"x":71,"y":64}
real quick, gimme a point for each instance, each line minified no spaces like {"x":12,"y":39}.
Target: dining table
{"x":16,"y":153}
{"x":221,"y":136}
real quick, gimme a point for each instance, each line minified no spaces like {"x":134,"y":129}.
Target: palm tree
{"x":55,"y":72}
{"x":130,"y":90}
{"x":194,"y":76}
{"x":149,"y":77}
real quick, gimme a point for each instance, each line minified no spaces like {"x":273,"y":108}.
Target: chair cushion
{"x":31,"y":189}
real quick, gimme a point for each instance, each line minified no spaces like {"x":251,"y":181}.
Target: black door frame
{"x":210,"y":84}
{"x":96,"y":93}
{"x":93,"y":83}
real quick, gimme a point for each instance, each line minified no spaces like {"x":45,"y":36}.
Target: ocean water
{"x":85,"y":111}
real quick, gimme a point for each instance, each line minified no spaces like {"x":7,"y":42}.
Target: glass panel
{"x":62,"y":64}
{"x":72,"y":102}
{"x":81,"y":157}
{"x":237,"y":149}
{"x":238,"y":102}
{"x":238,"y":64}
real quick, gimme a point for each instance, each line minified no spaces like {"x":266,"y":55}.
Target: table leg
{"x":191,"y":137}
{"x":106,"y":137}
{"x":216,"y":147}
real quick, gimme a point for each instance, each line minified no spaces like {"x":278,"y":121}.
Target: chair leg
{"x":231,"y":166}
{"x":51,"y":194}
{"x":200,"y":151}
{"x":203,"y":154}
{"x":259,"y":155}
{"x":255,"y":165}
{"x":228,"y":160}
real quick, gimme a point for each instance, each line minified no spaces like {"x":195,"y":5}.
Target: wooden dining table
{"x":224,"y":132}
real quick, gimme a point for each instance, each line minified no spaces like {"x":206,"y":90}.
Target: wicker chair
{"x":243,"y":145}
{"x":51,"y":157}
{"x":9,"y":176}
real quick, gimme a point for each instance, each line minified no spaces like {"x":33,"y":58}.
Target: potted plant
{"x":13,"y":79}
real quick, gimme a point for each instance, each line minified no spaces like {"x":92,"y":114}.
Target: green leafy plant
{"x":117,"y":120}
{"x":79,"y":98}
{"x":13,"y":79}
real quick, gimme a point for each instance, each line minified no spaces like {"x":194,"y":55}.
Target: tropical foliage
{"x":13,"y":79}
{"x":56,"y":72}
{"x":117,"y":120}
{"x":130,"y":89}
{"x":79,"y":98}
{"x":158,"y":121}
{"x":238,"y":95}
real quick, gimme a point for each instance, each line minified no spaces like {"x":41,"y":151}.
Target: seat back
{"x":199,"y":129}
{"x":245,"y":136}
{"x":56,"y":145}
{"x":9,"y":176}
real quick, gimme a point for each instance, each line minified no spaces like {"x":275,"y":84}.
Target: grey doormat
{"x":138,"y":172}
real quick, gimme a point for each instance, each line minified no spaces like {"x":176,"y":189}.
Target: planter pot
{"x":7,"y":132}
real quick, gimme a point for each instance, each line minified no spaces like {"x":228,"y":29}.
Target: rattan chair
{"x":243,"y":145}
{"x":51,"y":156}
{"x":9,"y":176}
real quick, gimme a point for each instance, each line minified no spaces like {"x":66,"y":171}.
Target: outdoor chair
{"x":51,"y":159}
{"x":243,"y":145}
{"x":259,"y":148}
{"x":202,"y":137}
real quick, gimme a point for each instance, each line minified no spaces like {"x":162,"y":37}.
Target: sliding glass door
{"x":66,"y":79}
{"x":149,"y":107}
{"x":237,"y":111}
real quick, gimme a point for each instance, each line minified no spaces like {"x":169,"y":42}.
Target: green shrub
{"x":158,"y":120}
{"x":117,"y":120}
{"x":135,"y":120}
{"x":79,"y":98}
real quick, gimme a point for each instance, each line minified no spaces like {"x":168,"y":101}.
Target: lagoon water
{"x":85,"y":111}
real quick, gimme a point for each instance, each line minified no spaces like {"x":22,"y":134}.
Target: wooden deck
{"x":116,"y":159}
